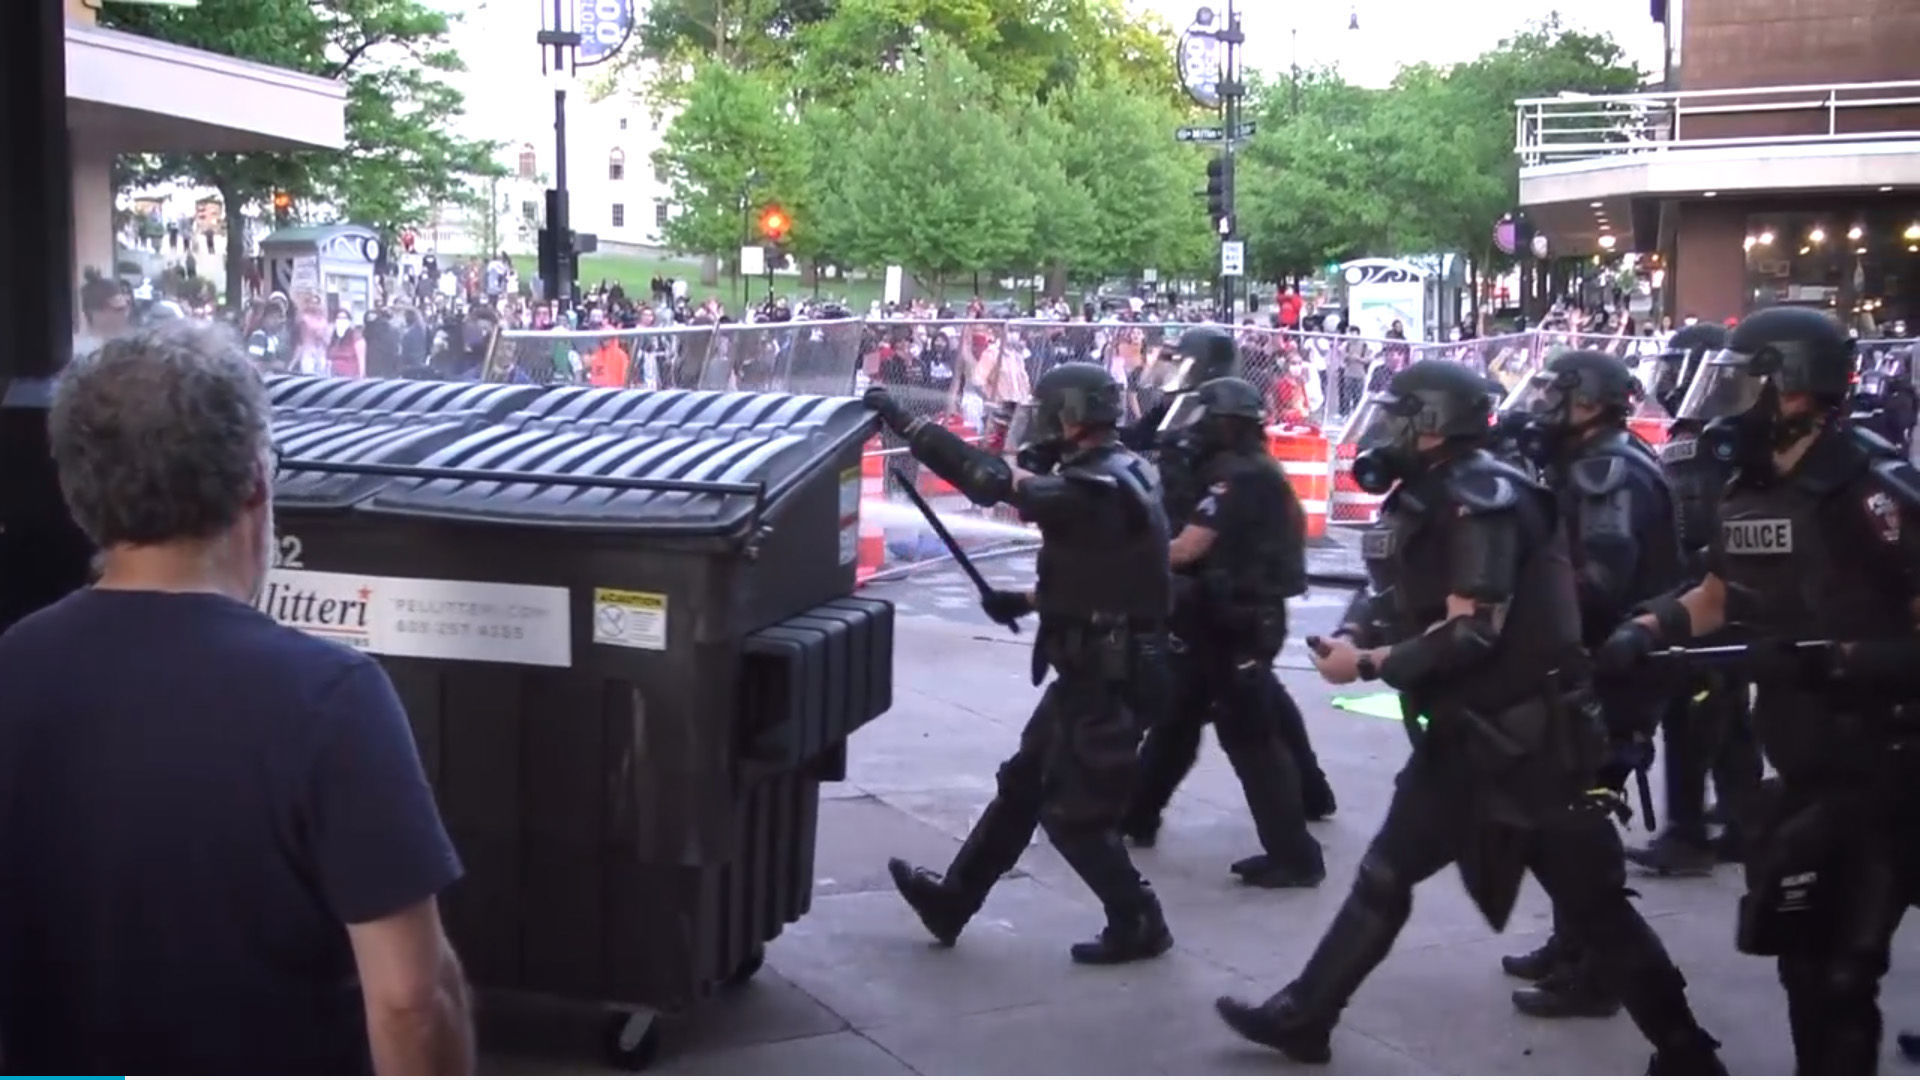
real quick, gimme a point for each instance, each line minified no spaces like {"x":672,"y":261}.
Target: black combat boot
{"x":1569,"y":991}
{"x":1909,"y":1043}
{"x":1540,"y":963}
{"x":1674,"y":854}
{"x":1298,"y":1021}
{"x":1139,"y":934}
{"x":1283,"y":1024}
{"x":1263,"y":872}
{"x":941,"y":907}
{"x":1693,"y":1053}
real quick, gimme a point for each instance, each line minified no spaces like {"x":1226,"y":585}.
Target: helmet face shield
{"x":1184,"y":376}
{"x":1183,"y":412}
{"x":1024,"y":428}
{"x":1728,"y":384}
{"x":1392,"y":424}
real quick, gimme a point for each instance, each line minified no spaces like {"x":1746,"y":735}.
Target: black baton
{"x":953,"y":546}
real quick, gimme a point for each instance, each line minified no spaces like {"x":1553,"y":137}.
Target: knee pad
{"x":1850,"y":979}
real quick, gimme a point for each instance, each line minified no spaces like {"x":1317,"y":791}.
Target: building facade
{"x":1780,"y":165}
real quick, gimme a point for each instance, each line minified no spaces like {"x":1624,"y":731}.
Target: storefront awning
{"x":134,"y":94}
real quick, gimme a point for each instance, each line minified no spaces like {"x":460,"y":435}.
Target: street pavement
{"x":857,"y":987}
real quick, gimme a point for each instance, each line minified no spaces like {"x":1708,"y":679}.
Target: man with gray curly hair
{"x":219,"y":852}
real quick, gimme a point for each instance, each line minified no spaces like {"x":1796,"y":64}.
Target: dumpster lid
{"x":397,"y":395}
{"x":342,"y":436}
{"x":707,"y":466}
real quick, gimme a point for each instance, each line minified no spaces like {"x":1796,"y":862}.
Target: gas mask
{"x":1036,"y":433}
{"x":1389,"y":447}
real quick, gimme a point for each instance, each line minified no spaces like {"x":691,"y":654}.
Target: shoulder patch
{"x":1484,"y":492}
{"x":1599,"y":475}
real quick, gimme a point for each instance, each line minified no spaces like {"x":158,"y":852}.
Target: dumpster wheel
{"x":748,"y":968}
{"x":633,"y":1040}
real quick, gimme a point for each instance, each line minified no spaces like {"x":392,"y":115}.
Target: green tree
{"x":402,"y":154}
{"x":733,"y":148}
{"x":1119,"y":146}
{"x":927,"y":173}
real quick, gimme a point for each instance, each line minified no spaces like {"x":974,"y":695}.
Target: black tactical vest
{"x":1410,"y":550}
{"x":1794,"y":553}
{"x":1696,"y":479}
{"x":1085,"y":571}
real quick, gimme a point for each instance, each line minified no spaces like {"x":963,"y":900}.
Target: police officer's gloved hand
{"x":891,"y":414}
{"x":1005,"y":605}
{"x":1626,"y":648}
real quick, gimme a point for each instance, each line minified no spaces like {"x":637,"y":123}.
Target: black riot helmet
{"x":1220,"y":413}
{"x":1079,"y":394}
{"x":1427,"y":398}
{"x":1203,"y":353}
{"x":1774,"y":351}
{"x":1667,"y":374}
{"x":1578,"y":377}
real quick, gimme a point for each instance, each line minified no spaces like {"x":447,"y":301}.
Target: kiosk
{"x":323,"y":269}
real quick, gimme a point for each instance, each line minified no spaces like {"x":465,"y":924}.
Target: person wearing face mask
{"x":1475,"y":621}
{"x":1625,"y":551}
{"x":346,"y":348}
{"x":1816,"y":569}
{"x":1103,"y":593}
{"x":1239,"y":556}
{"x":175,"y":757}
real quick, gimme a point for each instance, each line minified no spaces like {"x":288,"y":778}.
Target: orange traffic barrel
{"x":870,"y":536}
{"x":1302,"y":454}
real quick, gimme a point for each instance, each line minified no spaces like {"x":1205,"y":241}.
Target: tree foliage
{"x":960,"y":136}
{"x":402,"y":155}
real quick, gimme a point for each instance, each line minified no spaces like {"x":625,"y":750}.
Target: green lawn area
{"x":636,"y":272}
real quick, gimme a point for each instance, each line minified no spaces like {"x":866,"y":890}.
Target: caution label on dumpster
{"x":630,"y":620}
{"x":424,"y":617}
{"x":849,"y":492}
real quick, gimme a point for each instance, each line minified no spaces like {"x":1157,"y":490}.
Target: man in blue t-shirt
{"x":218,"y":849}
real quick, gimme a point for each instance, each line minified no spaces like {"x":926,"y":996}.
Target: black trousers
{"x":1072,"y":776}
{"x":1708,"y":731}
{"x":1573,"y":851}
{"x":1831,"y":969}
{"x":1260,"y":730}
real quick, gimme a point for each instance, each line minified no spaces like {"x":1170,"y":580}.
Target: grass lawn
{"x":636,"y":272}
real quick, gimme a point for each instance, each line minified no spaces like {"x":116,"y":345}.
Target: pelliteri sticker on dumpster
{"x":425,"y":618}
{"x":630,"y":620}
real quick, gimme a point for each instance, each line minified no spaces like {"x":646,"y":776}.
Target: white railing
{"x":1578,"y":127}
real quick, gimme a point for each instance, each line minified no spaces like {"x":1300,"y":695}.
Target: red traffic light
{"x":282,"y":201}
{"x":774,"y":223}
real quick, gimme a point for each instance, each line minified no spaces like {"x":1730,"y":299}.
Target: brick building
{"x":1780,"y":165}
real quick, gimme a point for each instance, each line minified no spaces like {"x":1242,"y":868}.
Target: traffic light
{"x":1217,"y":206}
{"x":282,"y":207}
{"x":774,"y":224}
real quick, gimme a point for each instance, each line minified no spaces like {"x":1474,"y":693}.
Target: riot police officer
{"x":1676,"y":365}
{"x":1202,"y":353}
{"x":1625,"y":550}
{"x":1815,"y":566}
{"x":1483,"y":641}
{"x":1103,"y":595}
{"x":1240,"y":557}
{"x":1706,"y":729}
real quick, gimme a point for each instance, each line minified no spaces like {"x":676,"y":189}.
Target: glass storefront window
{"x":1861,"y":264}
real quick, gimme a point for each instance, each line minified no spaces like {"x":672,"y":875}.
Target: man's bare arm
{"x":1705,"y":605}
{"x":419,"y":1020}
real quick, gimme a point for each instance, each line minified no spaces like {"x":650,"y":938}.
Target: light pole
{"x":593,"y":34}
{"x":746,"y":236}
{"x":1210,"y":73}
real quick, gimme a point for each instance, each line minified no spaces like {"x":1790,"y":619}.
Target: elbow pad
{"x":983,"y":478}
{"x":1452,"y":646}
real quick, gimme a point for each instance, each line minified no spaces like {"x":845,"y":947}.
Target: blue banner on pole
{"x":602,"y":26}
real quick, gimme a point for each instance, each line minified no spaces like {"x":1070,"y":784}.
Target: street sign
{"x":1214,"y":134}
{"x":1233,"y":258}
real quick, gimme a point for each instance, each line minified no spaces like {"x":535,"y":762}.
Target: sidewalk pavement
{"x":857,"y":987}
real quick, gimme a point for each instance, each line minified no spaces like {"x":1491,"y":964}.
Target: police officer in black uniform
{"x":1625,"y":550}
{"x":1202,"y":353}
{"x":1485,"y":642}
{"x":1819,"y":542}
{"x":1239,"y":558}
{"x":1706,"y":729}
{"x":1103,"y":595}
